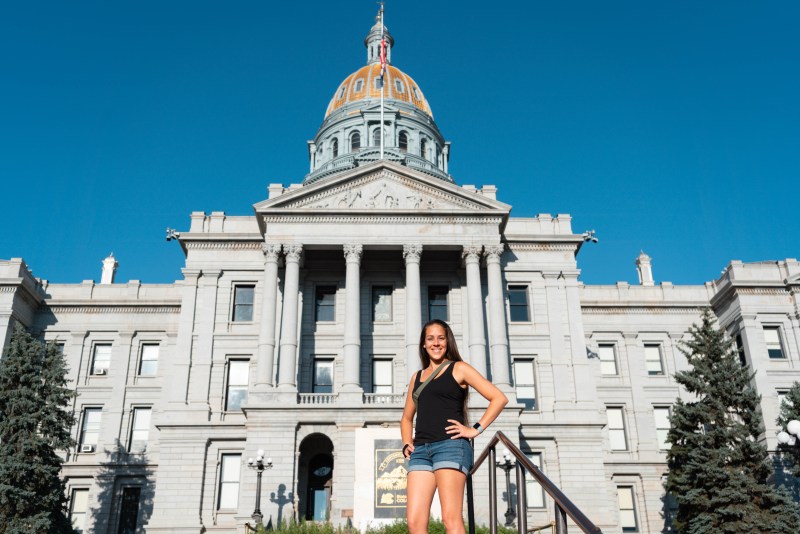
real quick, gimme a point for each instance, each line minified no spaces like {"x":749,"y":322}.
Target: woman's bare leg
{"x":450,"y":483}
{"x":421,"y":485}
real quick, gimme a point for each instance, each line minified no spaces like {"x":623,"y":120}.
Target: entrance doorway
{"x":316,"y":477}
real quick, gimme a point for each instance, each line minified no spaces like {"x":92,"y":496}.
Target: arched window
{"x":355,"y":141}
{"x":335,"y":148}
{"x":403,"y":141}
{"x":423,"y":148}
{"x":376,"y":137}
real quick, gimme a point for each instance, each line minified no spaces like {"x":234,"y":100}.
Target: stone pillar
{"x":288,"y":352}
{"x":266,"y":337}
{"x":585,"y":391}
{"x":352,"y":319}
{"x":477,"y":339}
{"x":202,"y":348}
{"x":178,"y":369}
{"x":412,"y":254}
{"x":498,"y":339}
{"x":562,"y":377}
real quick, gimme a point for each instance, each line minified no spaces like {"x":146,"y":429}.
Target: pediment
{"x":382,"y":186}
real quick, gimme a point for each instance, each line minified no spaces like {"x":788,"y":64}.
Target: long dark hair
{"x":451,"y":354}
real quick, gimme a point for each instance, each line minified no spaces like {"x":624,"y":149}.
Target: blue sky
{"x":668,"y":127}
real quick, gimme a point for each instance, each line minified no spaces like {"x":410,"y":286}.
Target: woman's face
{"x":435,"y":342}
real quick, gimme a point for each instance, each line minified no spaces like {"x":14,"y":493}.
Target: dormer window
{"x":359,"y":86}
{"x":341,"y":93}
{"x":416,"y":93}
{"x":378,"y":82}
{"x":398,"y":84}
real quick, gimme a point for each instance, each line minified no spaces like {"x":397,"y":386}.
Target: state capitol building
{"x":295,"y":330}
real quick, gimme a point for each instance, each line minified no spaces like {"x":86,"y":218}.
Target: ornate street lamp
{"x":259,"y":466}
{"x":507,"y":465}
{"x":791,"y":435}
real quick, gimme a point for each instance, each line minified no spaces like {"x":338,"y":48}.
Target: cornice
{"x":110,"y":308}
{"x":224,"y":245}
{"x":641,"y":310}
{"x":525,"y":247}
{"x":478,"y":218}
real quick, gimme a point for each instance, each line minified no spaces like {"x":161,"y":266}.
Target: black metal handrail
{"x":563,"y":506}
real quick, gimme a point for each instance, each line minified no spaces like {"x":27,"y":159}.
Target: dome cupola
{"x":350,"y":133}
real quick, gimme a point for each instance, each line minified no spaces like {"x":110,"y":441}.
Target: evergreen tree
{"x":34,"y":424}
{"x":718,"y":469}
{"x":790,"y":409}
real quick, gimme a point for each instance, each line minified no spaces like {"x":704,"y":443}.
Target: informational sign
{"x":390,"y":479}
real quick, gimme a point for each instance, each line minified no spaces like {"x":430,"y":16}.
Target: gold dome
{"x":361,"y":85}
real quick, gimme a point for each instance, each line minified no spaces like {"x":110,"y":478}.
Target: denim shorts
{"x":444,"y":454}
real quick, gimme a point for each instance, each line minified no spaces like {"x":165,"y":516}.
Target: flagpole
{"x":383,"y":73}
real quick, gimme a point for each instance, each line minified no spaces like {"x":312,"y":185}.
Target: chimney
{"x":109,"y":269}
{"x":645,"y":269}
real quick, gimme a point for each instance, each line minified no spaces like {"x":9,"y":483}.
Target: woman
{"x":440,"y":455}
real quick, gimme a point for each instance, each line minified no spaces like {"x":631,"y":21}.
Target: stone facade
{"x":296,"y":329}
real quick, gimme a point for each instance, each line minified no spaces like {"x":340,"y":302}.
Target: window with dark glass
{"x":381,"y":304}
{"x":437,"y":302}
{"x":740,"y":350}
{"x":518,"y":304}
{"x":403,"y":141}
{"x":243,"y":302}
{"x":323,"y":376}
{"x":129,"y":511}
{"x":423,"y":148}
{"x":355,"y":141}
{"x":325,"y":304}
{"x":334,"y":148}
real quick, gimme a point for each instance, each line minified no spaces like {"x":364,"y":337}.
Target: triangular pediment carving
{"x":383,"y":186}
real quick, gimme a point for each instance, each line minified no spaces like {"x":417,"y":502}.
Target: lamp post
{"x":259,"y":466}
{"x":791,"y":436}
{"x":507,"y":465}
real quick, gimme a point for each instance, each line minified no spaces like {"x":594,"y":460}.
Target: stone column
{"x":412,"y":254}
{"x":498,"y":339}
{"x":288,"y":352}
{"x":352,"y":319}
{"x":476,"y":336}
{"x":266,"y":338}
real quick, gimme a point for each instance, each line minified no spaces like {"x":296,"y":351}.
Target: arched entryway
{"x":315,"y":481}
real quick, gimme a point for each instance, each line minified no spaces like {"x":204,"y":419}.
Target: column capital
{"x":412,"y":252}
{"x":472,"y":253}
{"x":493,"y":252}
{"x":271,"y":251}
{"x":293,"y":252}
{"x":352,"y":252}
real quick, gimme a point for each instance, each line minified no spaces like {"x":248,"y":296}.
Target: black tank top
{"x":442,"y":399}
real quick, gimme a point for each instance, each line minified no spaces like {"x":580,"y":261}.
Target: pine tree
{"x":718,"y":469}
{"x":34,"y":424}
{"x":791,"y":410}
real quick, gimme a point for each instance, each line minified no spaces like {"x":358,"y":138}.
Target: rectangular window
{"x":381,"y":376}
{"x":740,"y":350}
{"x":772,"y":336}
{"x":129,"y":511}
{"x":323,"y":376}
{"x":148,"y":366}
{"x":437,"y":302}
{"x":381,"y":304}
{"x":534,"y":492}
{"x":661,"y":415}
{"x":101,"y":359}
{"x":140,"y":429}
{"x":238,"y":380}
{"x":652,"y":357}
{"x":525,"y":382}
{"x":243,"y":303}
{"x":518,"y":309}
{"x":325,"y":304}
{"x":230,"y":468}
{"x":616,"y":429}
{"x":78,"y":505}
{"x":90,"y":429}
{"x":608,"y":359}
{"x":627,"y":509}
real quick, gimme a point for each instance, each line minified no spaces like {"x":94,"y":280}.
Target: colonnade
{"x":412,"y":253}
